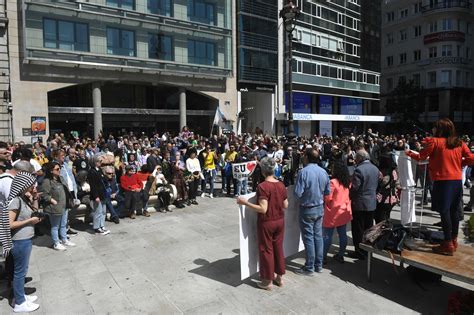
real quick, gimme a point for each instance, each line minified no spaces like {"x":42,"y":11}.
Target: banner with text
{"x":243,"y":171}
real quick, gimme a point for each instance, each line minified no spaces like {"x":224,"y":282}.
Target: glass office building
{"x":144,"y":56}
{"x":336,"y":68}
{"x":257,"y":49}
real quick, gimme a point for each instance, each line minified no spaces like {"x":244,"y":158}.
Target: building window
{"x":403,"y":13}
{"x":403,"y":35}
{"x":203,"y":53}
{"x":390,"y":61}
{"x":402,"y":79}
{"x":160,"y":7}
{"x":468,"y":79}
{"x":403,"y":58}
{"x":416,"y":79}
{"x":124,"y":4}
{"x":416,"y":55}
{"x":390,"y":38}
{"x":390,"y":16}
{"x":160,"y":47}
{"x":203,"y":12}
{"x":433,"y":27}
{"x":120,"y":42}
{"x":468,"y":52}
{"x":417,"y":30}
{"x":65,"y":35}
{"x":447,"y":24}
{"x":433,"y":52}
{"x":432,"y":78}
{"x":446,"y":76}
{"x":447,"y":51}
{"x":417,"y":7}
{"x":458,"y":78}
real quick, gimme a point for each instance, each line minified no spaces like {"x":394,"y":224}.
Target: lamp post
{"x":289,"y":13}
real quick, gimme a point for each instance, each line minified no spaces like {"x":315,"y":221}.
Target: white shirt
{"x":192,"y":165}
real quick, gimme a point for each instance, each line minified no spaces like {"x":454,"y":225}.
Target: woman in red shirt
{"x":446,"y":153}
{"x":272,"y":201}
{"x":337,"y":210}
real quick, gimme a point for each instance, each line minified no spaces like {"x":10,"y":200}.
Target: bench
{"x":459,"y":267}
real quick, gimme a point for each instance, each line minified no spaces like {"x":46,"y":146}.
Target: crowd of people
{"x":338,"y":180}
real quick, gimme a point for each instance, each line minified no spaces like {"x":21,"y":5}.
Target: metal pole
{"x":291,"y":130}
{"x":423,"y":195}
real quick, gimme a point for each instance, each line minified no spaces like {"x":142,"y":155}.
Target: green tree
{"x":405,"y":104}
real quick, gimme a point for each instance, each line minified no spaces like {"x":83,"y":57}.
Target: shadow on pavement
{"x":397,"y":286}
{"x":226,"y":270}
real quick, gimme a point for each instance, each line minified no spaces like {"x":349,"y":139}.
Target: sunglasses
{"x":56,"y":169}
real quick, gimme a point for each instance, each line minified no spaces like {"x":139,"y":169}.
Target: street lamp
{"x":289,"y":13}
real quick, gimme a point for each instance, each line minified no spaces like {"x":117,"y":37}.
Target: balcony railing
{"x":466,"y":5}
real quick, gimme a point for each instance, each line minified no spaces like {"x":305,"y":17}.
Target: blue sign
{"x":301,"y":102}
{"x":325,"y":104}
{"x":351,"y":106}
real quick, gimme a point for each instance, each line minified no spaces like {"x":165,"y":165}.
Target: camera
{"x":38,"y":214}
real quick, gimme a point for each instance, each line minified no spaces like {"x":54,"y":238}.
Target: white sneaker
{"x":69,"y":243}
{"x":104,"y":231}
{"x":59,"y":247}
{"x":25,"y":307}
{"x":211,"y":196}
{"x":31,"y":298}
{"x":203,"y":195}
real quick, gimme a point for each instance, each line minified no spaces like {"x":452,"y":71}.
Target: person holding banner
{"x":446,"y":151}
{"x":272,"y":201}
{"x":242,"y":183}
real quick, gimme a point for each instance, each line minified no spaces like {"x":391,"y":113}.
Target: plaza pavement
{"x":187,"y":261}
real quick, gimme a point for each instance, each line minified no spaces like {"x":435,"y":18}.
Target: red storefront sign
{"x":444,"y":37}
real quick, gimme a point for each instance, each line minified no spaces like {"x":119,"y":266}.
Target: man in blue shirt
{"x":312,"y":185}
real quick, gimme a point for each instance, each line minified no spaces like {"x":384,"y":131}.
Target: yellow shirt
{"x":209,"y":161}
{"x":230,"y":156}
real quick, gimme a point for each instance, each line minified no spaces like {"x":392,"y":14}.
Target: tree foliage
{"x":405,"y":104}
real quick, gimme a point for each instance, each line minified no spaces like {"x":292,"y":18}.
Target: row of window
{"x":324,"y":41}
{"x":335,"y":72}
{"x":417,"y":8}
{"x":446,"y":51}
{"x":330,"y":15}
{"x":75,"y":36}
{"x":433,"y":78}
{"x":198,"y":10}
{"x":432,"y":27}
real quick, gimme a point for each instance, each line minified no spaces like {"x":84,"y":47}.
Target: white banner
{"x":292,"y":242}
{"x":242,"y":171}
{"x":331,"y":117}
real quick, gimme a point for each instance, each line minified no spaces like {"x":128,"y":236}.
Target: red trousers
{"x":270,"y":247}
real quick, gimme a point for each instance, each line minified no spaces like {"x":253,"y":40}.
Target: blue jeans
{"x":312,"y":235}
{"x":21,"y":252}
{"x":58,"y":223}
{"x":100,"y":211}
{"x":242,"y":187}
{"x":327,"y":234}
{"x":209,"y":176}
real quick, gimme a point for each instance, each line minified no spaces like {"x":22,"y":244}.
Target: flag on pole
{"x":219,"y":119}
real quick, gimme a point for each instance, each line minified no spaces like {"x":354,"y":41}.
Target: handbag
{"x":386,"y":235}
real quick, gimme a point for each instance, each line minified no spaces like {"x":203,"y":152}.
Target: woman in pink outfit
{"x":337,"y":210}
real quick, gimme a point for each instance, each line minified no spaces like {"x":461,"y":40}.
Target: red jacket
{"x":337,"y":206}
{"x":444,"y":163}
{"x":131,"y":182}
